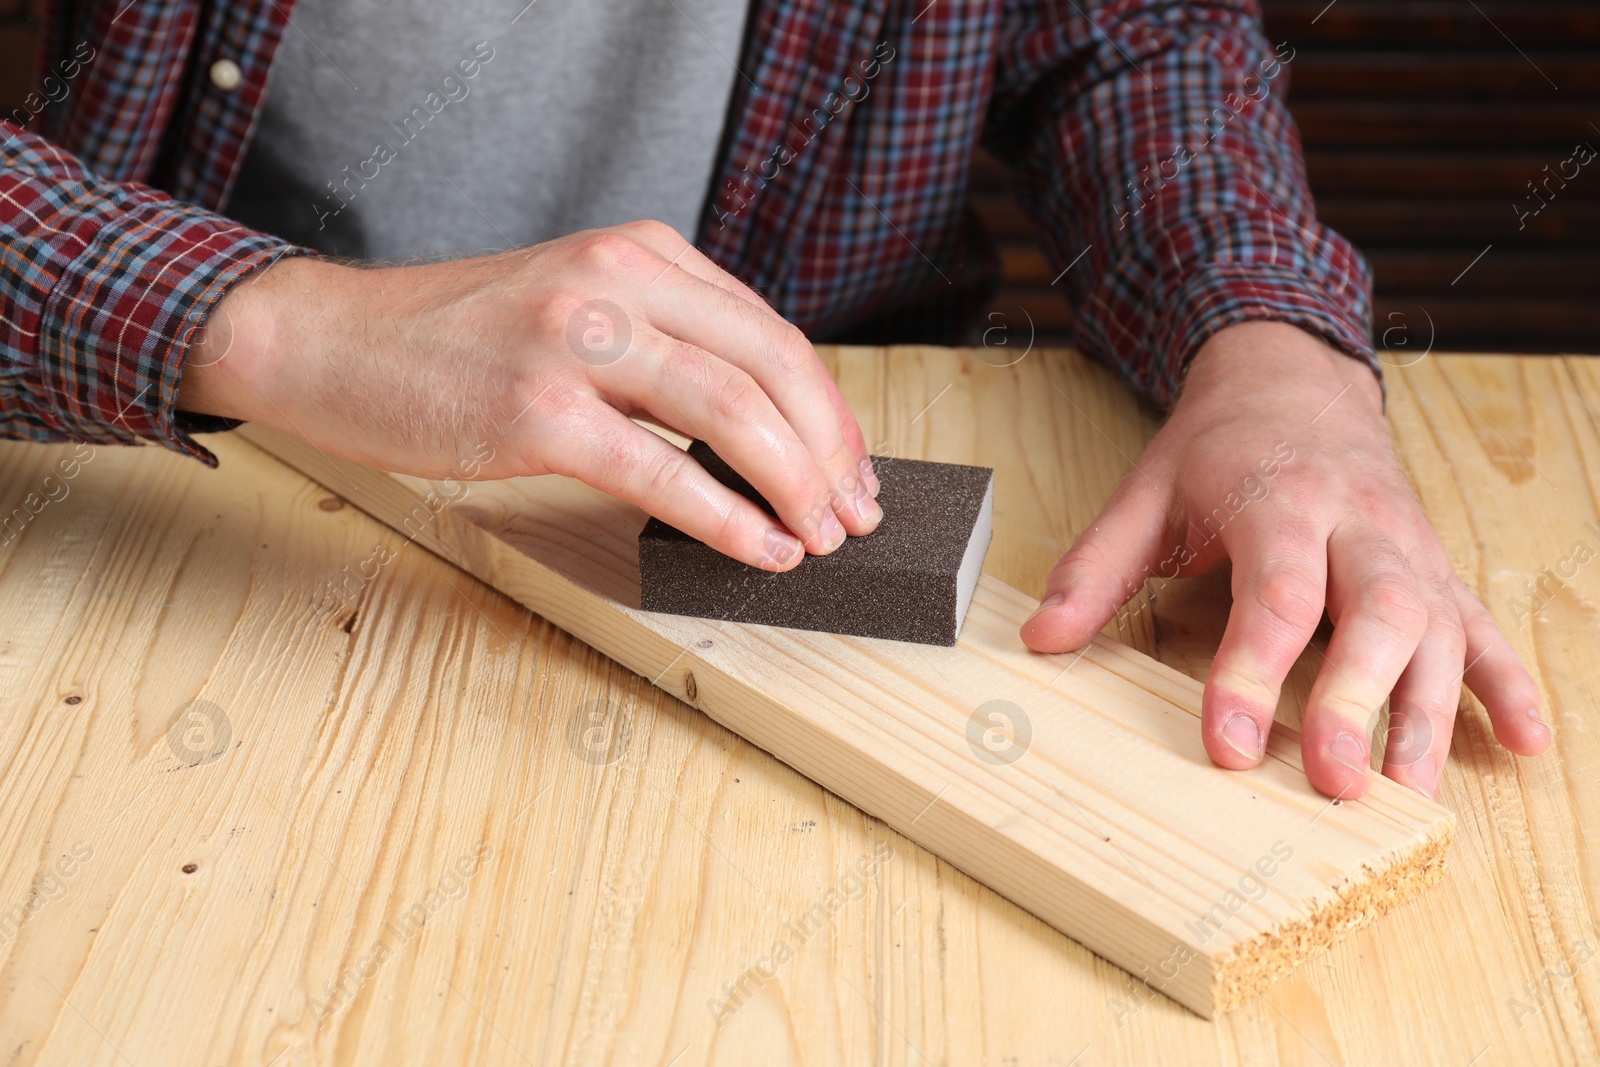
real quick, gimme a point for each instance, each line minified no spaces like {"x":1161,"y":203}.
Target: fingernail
{"x":832,"y":532}
{"x":1053,"y":600}
{"x":781,"y":548}
{"x":1425,"y":777}
{"x":1243,"y":736}
{"x":1533,"y":713}
{"x":867,"y":507}
{"x":870,"y":476}
{"x":1348,"y":750}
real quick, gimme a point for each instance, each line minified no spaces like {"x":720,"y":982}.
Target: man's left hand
{"x":1277,"y":457}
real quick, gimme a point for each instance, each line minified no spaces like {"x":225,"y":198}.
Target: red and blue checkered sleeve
{"x":102,"y":287}
{"x":1153,"y":148}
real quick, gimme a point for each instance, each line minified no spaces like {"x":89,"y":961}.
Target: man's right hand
{"x":543,"y":353}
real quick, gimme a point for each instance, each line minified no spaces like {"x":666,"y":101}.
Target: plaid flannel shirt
{"x":1149,"y":138}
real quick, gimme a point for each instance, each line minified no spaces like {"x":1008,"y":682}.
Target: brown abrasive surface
{"x":898,"y":582}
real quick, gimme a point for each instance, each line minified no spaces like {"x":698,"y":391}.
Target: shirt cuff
{"x":119,"y":321}
{"x":1225,"y":294}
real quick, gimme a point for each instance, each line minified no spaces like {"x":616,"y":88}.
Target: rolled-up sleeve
{"x":102,"y":288}
{"x":1154,"y":151}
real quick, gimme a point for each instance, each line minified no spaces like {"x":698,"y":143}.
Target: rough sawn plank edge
{"x":1113,"y":827}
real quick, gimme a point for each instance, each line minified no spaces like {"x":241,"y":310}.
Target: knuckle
{"x":1372,"y":503}
{"x":1239,"y":680}
{"x":687,"y":365}
{"x":789,"y":353}
{"x":609,"y":252}
{"x":1418,"y":713}
{"x":1297,"y":493}
{"x":1291,"y":597}
{"x":652,"y":228}
{"x":728,"y":531}
{"x":578,"y":446}
{"x":1346,"y":706}
{"x":1444,"y":621}
{"x":848,"y":484}
{"x":663,"y":475}
{"x":1520,"y":693}
{"x":1474,"y":613}
{"x":1086,"y":564}
{"x":1394,"y":601}
{"x":1082,"y":558}
{"x":738,"y":399}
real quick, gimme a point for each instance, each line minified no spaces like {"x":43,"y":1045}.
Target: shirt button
{"x":226,"y":75}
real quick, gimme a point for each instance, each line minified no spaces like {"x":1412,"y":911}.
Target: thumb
{"x":1104,"y":569}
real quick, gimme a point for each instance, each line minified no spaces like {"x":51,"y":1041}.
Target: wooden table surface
{"x":277,"y":786}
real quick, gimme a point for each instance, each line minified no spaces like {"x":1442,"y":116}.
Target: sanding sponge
{"x":911,"y":579}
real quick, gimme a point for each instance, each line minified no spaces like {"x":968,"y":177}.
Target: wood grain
{"x":383,"y":735}
{"x":1074,"y":785}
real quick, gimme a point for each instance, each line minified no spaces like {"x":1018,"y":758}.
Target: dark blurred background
{"x":1424,"y":122}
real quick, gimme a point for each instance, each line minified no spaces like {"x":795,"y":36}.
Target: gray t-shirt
{"x":415,"y":128}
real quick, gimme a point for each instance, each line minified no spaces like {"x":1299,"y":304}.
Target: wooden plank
{"x":1099,"y":812}
{"x":388,"y":735}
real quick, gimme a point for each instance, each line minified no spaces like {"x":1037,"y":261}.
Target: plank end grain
{"x":1254,"y":966}
{"x":1075,"y":786}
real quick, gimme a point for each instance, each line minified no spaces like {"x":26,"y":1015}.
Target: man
{"x":818,"y":152}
